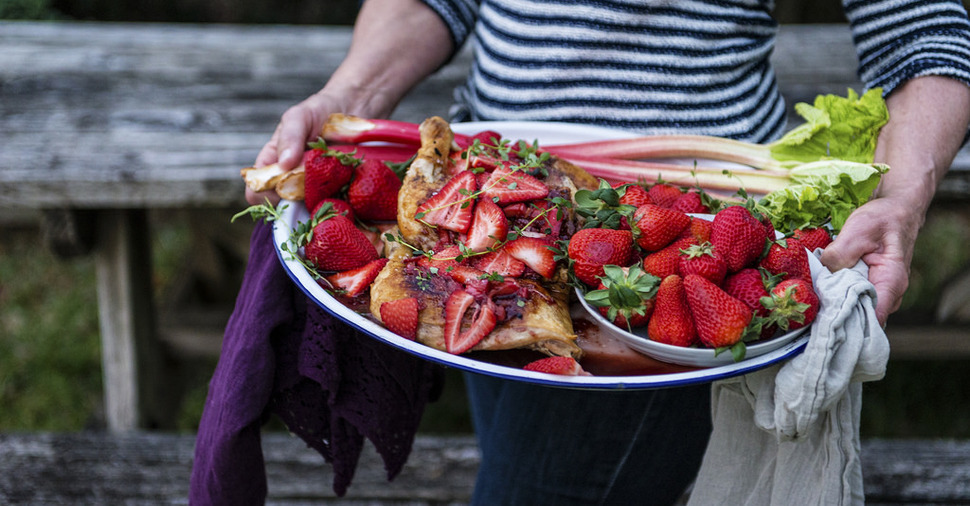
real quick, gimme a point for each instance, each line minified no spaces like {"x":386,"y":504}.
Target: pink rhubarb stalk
{"x":654,"y":147}
{"x":346,"y":129}
{"x":708,"y":178}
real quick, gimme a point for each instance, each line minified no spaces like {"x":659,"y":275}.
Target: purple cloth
{"x":332,"y":386}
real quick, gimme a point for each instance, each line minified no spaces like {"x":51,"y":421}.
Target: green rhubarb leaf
{"x":835,"y":127}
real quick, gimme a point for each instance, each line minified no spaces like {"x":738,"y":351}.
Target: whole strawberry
{"x":664,"y":194}
{"x":690,"y":202}
{"x":592,"y":248}
{"x":813,"y":238}
{"x":738,"y":236}
{"x":625,"y":296}
{"x":335,"y":244}
{"x":787,"y":258}
{"x":793,"y":303}
{"x":373,"y":191}
{"x":721,"y":320}
{"x":749,"y":286}
{"x":657,"y":226}
{"x":665,"y":262}
{"x":326,"y":172}
{"x":634,"y":195}
{"x":672,"y":322}
{"x":701,"y":259}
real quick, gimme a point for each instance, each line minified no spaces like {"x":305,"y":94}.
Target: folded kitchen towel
{"x":332,"y":386}
{"x":789,"y":434}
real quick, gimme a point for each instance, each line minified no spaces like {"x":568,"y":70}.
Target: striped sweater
{"x":674,"y":66}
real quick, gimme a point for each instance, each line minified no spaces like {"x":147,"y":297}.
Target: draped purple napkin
{"x":332,"y":386}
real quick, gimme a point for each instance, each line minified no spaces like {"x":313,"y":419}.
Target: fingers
{"x":846,"y":250}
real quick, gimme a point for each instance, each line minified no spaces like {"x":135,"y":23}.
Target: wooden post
{"x":123,"y":265}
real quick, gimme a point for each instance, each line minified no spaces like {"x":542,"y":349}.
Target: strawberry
{"x":813,"y":238}
{"x":458,"y":341}
{"x":373,"y":191}
{"x":325,"y":173}
{"x":452,"y":206}
{"x":703,"y":260}
{"x":355,"y":281}
{"x":337,"y":245}
{"x":749,"y":286}
{"x":672,"y":322}
{"x":489,"y":226}
{"x":443,"y":259}
{"x":664,"y":263}
{"x":498,"y":262}
{"x":339,"y":206}
{"x":534,"y":253}
{"x":507,"y":186}
{"x":625,"y":296}
{"x":787,"y":258}
{"x":635,"y":196}
{"x":793,"y":303}
{"x":464,"y":274}
{"x":690,"y":202}
{"x":738,"y":236}
{"x":664,"y":194}
{"x":563,"y":366}
{"x":592,"y":248}
{"x":658,"y":226}
{"x":721,"y":320}
{"x":699,"y":229}
{"x":401,"y":316}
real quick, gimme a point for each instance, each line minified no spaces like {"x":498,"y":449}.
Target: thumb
{"x":846,"y":251}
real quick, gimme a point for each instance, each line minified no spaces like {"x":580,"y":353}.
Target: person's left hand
{"x":882,"y":233}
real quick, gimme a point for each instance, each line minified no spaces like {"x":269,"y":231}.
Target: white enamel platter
{"x":293,"y":213}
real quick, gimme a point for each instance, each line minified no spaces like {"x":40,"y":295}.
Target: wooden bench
{"x":104,"y":123}
{"x":153,"y":468}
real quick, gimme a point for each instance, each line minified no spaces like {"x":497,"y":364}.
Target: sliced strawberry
{"x":464,"y":274}
{"x":489,"y":226}
{"x":563,"y":366}
{"x":482,"y":322}
{"x":356,"y":281}
{"x":507,"y":186}
{"x":442,"y":260}
{"x":452,"y":207}
{"x":401,"y":316}
{"x":499,"y":262}
{"x":534,"y":253}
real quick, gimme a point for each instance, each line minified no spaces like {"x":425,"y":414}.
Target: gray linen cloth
{"x":789,"y":433}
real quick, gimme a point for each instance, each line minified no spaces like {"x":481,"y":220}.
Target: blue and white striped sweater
{"x":674,"y":66}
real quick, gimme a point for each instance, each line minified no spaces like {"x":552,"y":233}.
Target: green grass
{"x":50,"y":374}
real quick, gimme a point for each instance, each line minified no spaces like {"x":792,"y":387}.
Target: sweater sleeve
{"x":458,"y":15}
{"x":898,"y":40}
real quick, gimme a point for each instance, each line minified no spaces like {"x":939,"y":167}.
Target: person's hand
{"x":882,"y":233}
{"x":299,"y":124}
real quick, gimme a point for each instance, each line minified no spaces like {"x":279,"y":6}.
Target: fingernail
{"x":287,"y":153}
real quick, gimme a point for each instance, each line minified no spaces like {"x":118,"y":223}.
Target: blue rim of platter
{"x":292,"y":213}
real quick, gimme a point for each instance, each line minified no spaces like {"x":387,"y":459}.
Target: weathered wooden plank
{"x":153,"y":468}
{"x":87,"y":106}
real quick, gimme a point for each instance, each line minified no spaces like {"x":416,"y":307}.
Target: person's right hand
{"x":298,"y":125}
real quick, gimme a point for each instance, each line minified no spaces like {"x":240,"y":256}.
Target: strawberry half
{"x":489,"y":226}
{"x":533,"y":252}
{"x":483,"y":321}
{"x":563,"y":366}
{"x":507,"y":186}
{"x":452,"y":207}
{"x":355,"y":281}
{"x":499,"y":262}
{"x":401,"y":316}
{"x":592,"y":248}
